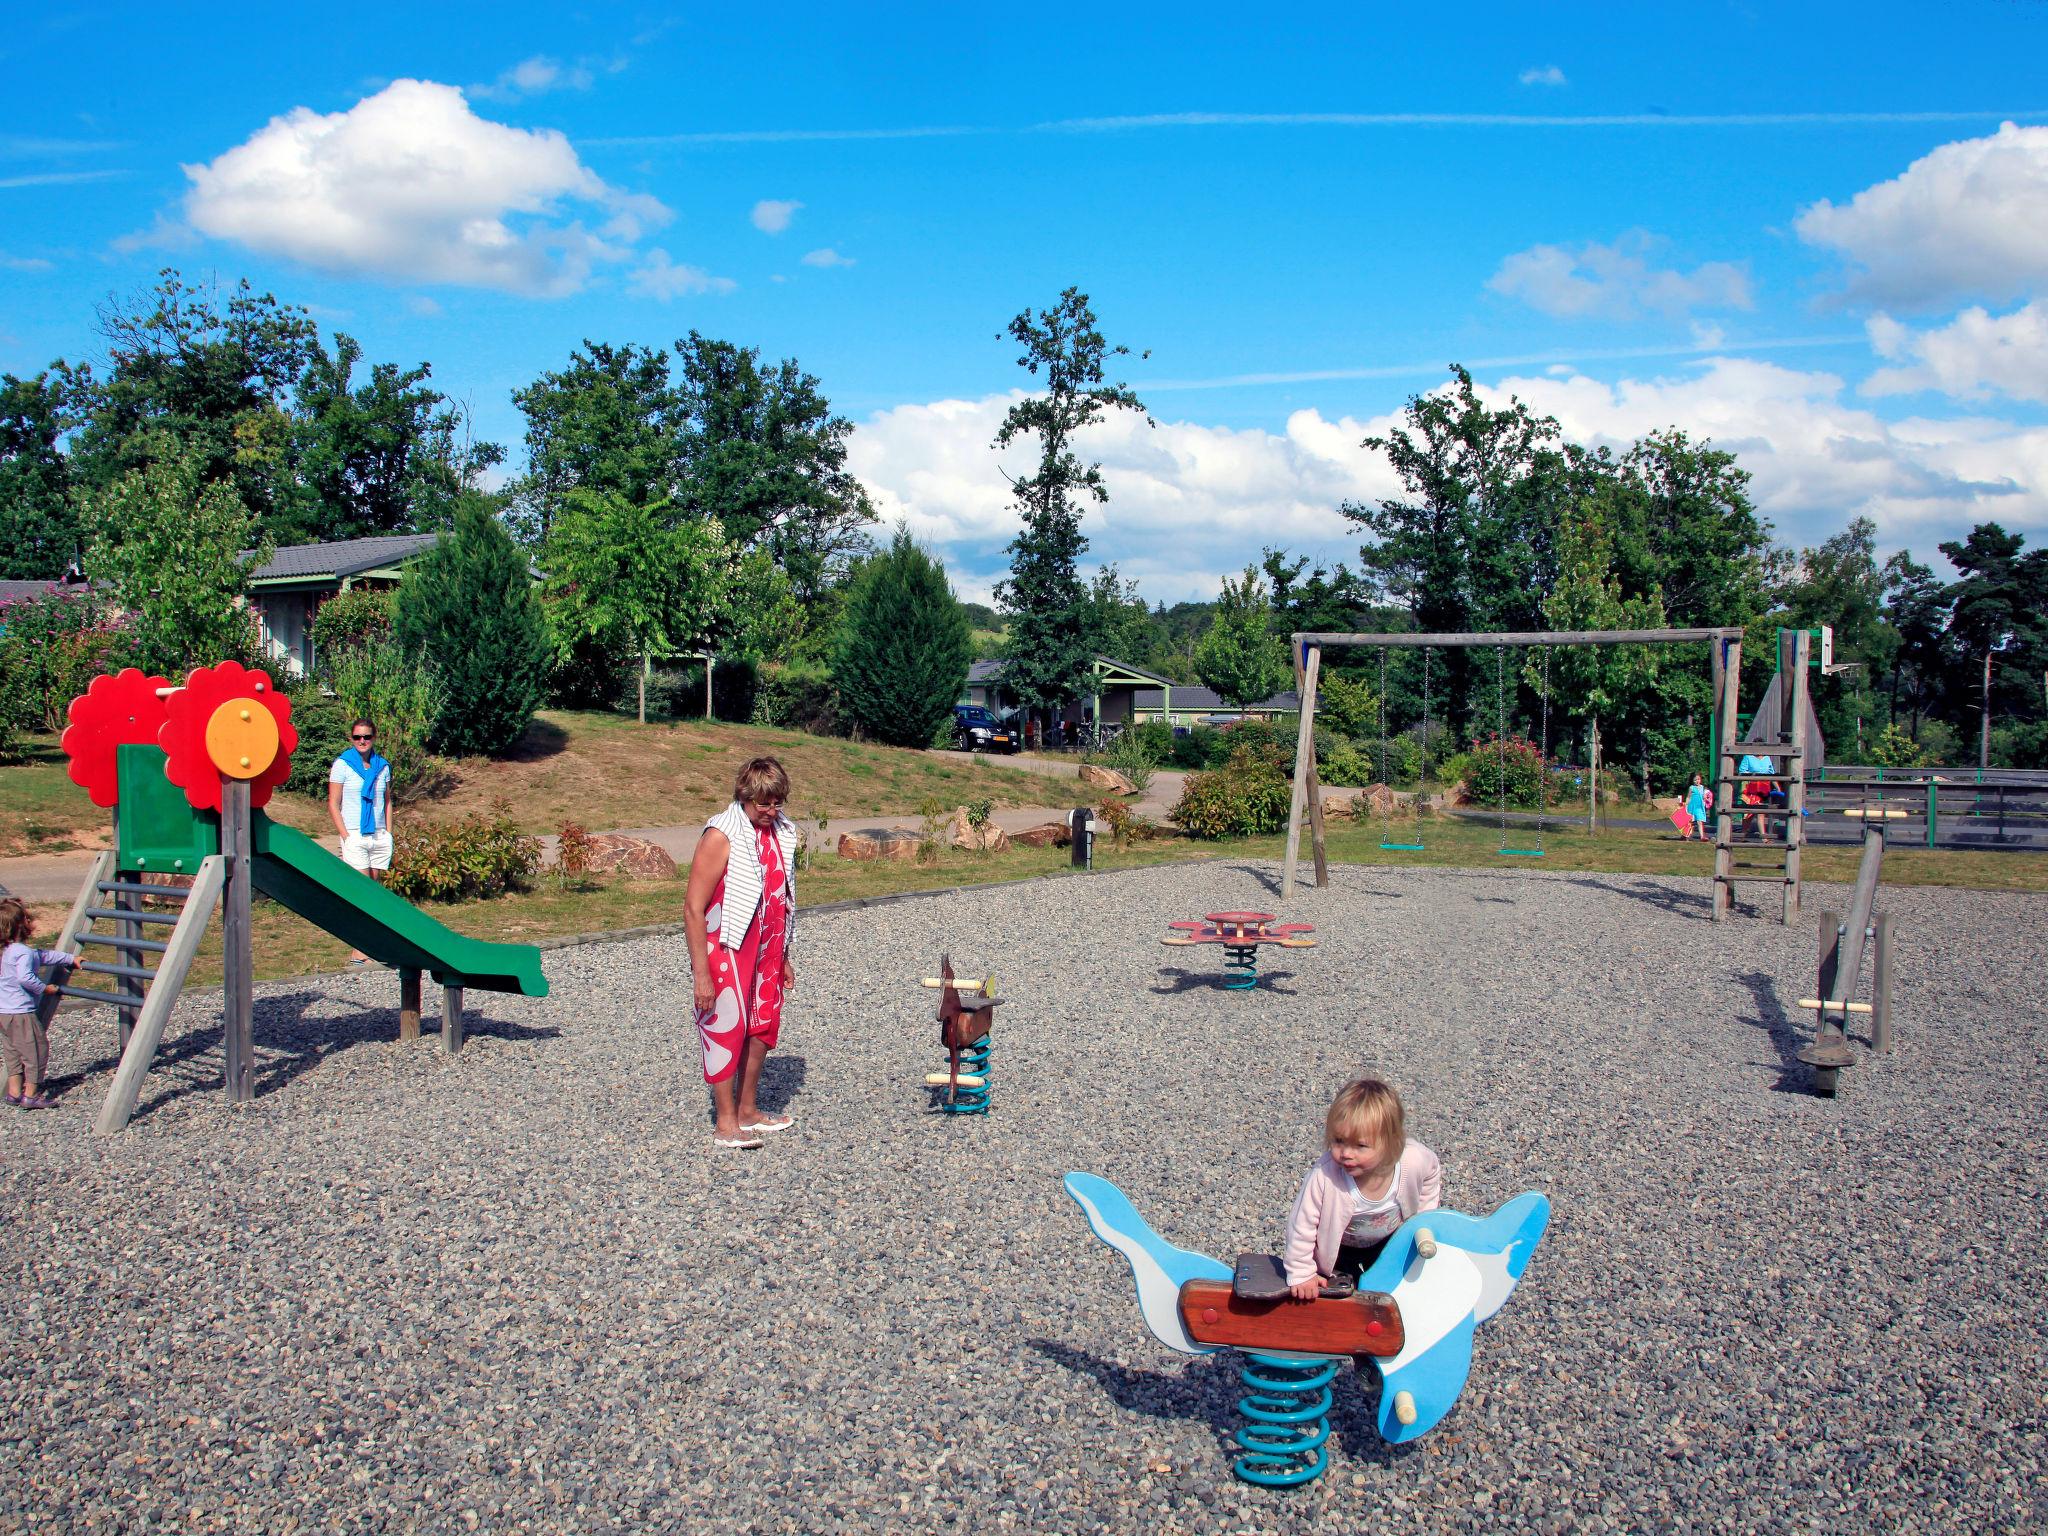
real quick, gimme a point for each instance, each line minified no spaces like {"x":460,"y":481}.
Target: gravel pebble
{"x":517,"y":1290}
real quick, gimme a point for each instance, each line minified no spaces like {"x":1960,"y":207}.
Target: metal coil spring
{"x":1289,"y":1408}
{"x":973,"y":1063}
{"x":1240,"y":967}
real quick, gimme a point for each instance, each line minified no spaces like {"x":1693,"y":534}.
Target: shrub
{"x":1349,"y":765}
{"x":1893,"y":748}
{"x":977,"y":814}
{"x":468,"y":608}
{"x":1248,"y":796}
{"x":796,"y":697}
{"x":51,"y":648}
{"x":1157,"y":738}
{"x":2020,"y":745}
{"x":1512,"y":761}
{"x":482,"y":854}
{"x":678,"y":692}
{"x":1125,"y":825}
{"x":1266,"y":740}
{"x":903,"y":649}
{"x":1349,"y":708}
{"x":357,"y":617}
{"x":1399,"y":758}
{"x":1132,"y":758}
{"x":402,"y":697}
{"x":573,"y":856}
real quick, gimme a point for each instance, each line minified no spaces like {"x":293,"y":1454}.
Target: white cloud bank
{"x":1968,"y":220}
{"x":1973,"y":357}
{"x":1618,"y":281}
{"x":1189,"y":503}
{"x":412,"y":186}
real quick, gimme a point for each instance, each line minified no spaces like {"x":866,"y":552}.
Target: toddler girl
{"x":1696,"y":808}
{"x":24,"y":1043}
{"x":1370,"y":1180}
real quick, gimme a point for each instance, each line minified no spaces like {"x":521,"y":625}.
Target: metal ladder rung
{"x":134,"y":888}
{"x":85,"y":995}
{"x":121,"y":915}
{"x":109,"y":968}
{"x":113,"y":941}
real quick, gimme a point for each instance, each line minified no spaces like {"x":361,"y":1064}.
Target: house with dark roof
{"x":1191,"y":704}
{"x":288,"y":588}
{"x":1106,"y":691}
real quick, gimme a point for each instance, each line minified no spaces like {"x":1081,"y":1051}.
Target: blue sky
{"x":1802,"y":231}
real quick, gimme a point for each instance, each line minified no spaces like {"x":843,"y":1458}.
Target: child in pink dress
{"x":737,"y":913}
{"x":1370,"y":1180}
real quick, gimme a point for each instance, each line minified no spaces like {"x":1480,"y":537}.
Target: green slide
{"x":293,"y":870}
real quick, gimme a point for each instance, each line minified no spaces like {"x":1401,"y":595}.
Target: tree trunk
{"x":1593,"y":775}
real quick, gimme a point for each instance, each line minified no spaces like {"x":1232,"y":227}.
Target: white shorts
{"x":366,"y":850}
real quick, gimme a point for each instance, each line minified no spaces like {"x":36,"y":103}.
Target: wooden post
{"x":1315,"y":779}
{"x":207,"y":882}
{"x":1304,"y":765}
{"x":1794,"y":768}
{"x":710,"y":661}
{"x":408,"y":1003}
{"x":1881,"y":983}
{"x":1724,"y":780}
{"x":451,"y":1019}
{"x":239,"y":1011}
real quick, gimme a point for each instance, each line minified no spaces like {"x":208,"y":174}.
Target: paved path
{"x":57,"y":876}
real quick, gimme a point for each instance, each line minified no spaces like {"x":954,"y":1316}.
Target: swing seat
{"x":1521,"y":853}
{"x":1404,"y":847}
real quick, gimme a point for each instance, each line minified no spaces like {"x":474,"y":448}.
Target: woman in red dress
{"x":737,"y":912}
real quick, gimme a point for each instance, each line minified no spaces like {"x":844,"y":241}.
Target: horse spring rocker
{"x":966,"y":1030}
{"x":1413,"y":1315}
{"x":1241,"y":934}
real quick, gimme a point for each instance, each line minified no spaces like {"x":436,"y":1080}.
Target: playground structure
{"x":1782,"y":730}
{"x":1241,"y":934}
{"x":1842,"y":943}
{"x":186,"y":771}
{"x":1413,"y":1315}
{"x":967,"y":1012}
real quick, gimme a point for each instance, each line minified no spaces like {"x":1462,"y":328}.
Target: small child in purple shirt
{"x":24,"y":1043}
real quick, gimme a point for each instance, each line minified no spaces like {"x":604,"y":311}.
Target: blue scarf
{"x":373,"y":766}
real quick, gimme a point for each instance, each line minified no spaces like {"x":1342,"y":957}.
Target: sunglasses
{"x":353,"y":737}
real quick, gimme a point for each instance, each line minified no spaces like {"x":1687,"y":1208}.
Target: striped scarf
{"x":743,"y":877}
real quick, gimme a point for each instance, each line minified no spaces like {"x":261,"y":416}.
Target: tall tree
{"x":1998,"y":612}
{"x":763,"y":453}
{"x":1051,"y":632}
{"x":1240,"y":657}
{"x":1916,"y":608}
{"x":40,"y":536}
{"x":470,"y":612}
{"x":607,"y":423}
{"x":1119,"y":619}
{"x":1691,"y":531}
{"x":170,"y":545}
{"x":1839,"y":583}
{"x":903,"y":646}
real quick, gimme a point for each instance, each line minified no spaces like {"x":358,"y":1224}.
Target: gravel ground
{"x":518,"y":1291}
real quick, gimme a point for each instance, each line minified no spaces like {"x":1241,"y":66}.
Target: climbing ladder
{"x":1775,"y":856}
{"x":142,"y":993}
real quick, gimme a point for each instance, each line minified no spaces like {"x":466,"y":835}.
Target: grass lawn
{"x":287,"y":946}
{"x":602,"y":771}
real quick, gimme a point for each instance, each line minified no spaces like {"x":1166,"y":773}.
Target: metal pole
{"x":239,"y":1013}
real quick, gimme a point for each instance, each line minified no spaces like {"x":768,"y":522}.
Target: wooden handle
{"x":1404,"y":1407}
{"x":958,"y":984}
{"x":944,"y":1080}
{"x":1815,"y":1002}
{"x":1425,"y":1244}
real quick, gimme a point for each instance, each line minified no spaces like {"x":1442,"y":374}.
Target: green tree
{"x":1998,"y":621}
{"x":1118,"y":619}
{"x":763,"y":453}
{"x":634,"y":577}
{"x":174,"y":549}
{"x":1692,"y":533}
{"x":40,"y":535}
{"x":469,"y":610}
{"x":1839,"y":583}
{"x":1916,"y":608}
{"x":606,"y":423}
{"x":1240,"y":657}
{"x":1052,"y":627}
{"x":903,"y":646}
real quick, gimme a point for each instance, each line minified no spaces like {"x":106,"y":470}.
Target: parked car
{"x":976,"y":729}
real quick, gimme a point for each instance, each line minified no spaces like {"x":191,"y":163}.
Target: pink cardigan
{"x":1315,"y":1230}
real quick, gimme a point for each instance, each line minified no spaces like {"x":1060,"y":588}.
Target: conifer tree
{"x":903,"y":647}
{"x":469,"y":610}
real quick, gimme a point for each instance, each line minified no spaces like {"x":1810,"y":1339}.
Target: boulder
{"x":168,"y":882}
{"x":614,"y":853}
{"x":1377,"y":800}
{"x":879,"y":843}
{"x":987,"y":839}
{"x":1337,"y":807}
{"x":1099,"y":777}
{"x":1051,"y":834}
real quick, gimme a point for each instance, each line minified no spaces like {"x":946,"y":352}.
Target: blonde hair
{"x":16,"y":921}
{"x":1369,"y":1105}
{"x":763,"y":778}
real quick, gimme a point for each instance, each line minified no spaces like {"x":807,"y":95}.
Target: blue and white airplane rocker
{"x":1413,"y":1315}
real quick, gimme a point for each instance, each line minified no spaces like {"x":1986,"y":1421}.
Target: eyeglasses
{"x":354,"y":737}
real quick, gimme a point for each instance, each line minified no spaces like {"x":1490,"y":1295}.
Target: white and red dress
{"x":747,"y":977}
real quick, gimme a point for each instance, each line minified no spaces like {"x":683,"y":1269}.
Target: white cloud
{"x":1618,"y":281}
{"x":659,"y":278}
{"x":423,"y":306}
{"x":1189,"y":502}
{"x":412,"y":186}
{"x":1974,"y":356}
{"x":1549,"y":74}
{"x":825,"y":256}
{"x":1969,"y":220}
{"x":772,"y":215}
{"x":13,"y":263}
{"x":534,"y":77}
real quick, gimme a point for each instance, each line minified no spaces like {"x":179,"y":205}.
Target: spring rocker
{"x":966,"y":1030}
{"x":186,"y":771}
{"x":1241,"y":934}
{"x":1413,"y":1314}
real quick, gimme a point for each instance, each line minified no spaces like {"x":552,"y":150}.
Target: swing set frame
{"x":1724,"y":651}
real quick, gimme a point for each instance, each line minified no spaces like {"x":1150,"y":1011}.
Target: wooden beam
{"x":408,"y":1003}
{"x":1724,"y":776}
{"x":1304,"y":761}
{"x":238,"y":1011}
{"x":1315,"y":780}
{"x":1795,"y":788}
{"x":163,"y":995}
{"x":451,"y":1019}
{"x":1412,"y":642}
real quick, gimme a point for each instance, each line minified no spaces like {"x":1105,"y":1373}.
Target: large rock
{"x":1338,"y":807}
{"x":1377,"y":800}
{"x":879,"y":843}
{"x":1099,"y":777}
{"x":989,"y":838}
{"x":614,"y":853}
{"x":1050,"y":834}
